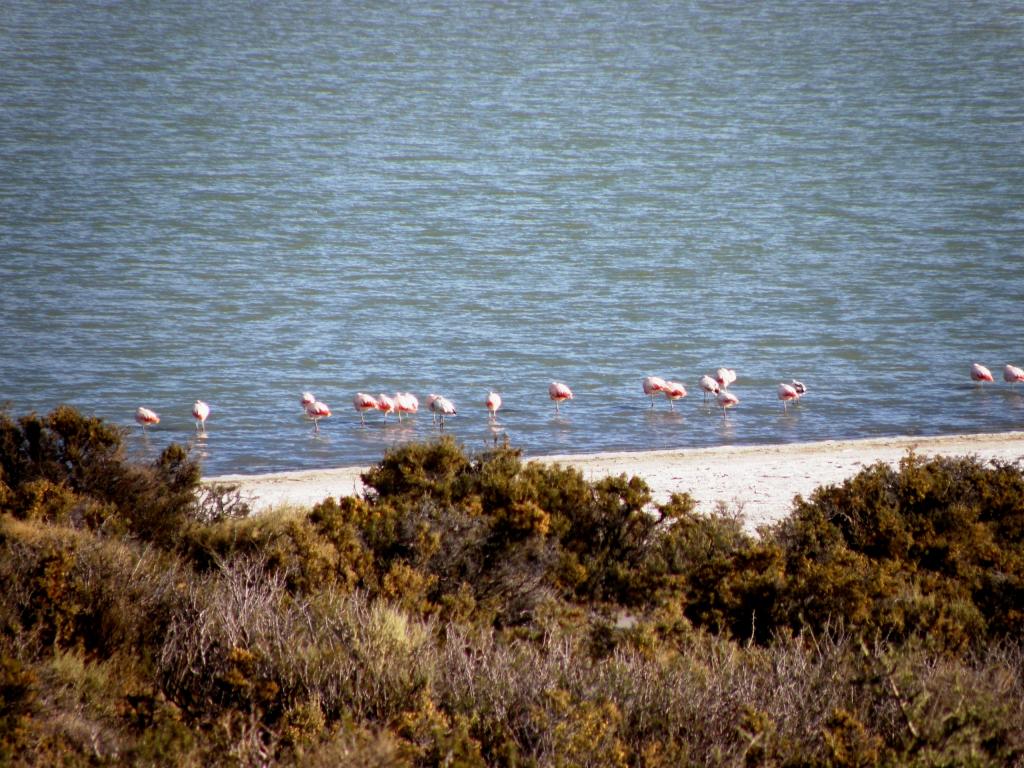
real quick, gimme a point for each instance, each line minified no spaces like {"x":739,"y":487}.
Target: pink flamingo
{"x":386,"y":404}
{"x":725,"y":377}
{"x":559,"y":392}
{"x":709,"y":385}
{"x":441,"y":406}
{"x":652,"y":386}
{"x":980,"y":373}
{"x":493,"y":403}
{"x":406,"y":402}
{"x":363,"y":403}
{"x":787,"y":392}
{"x":200,"y":412}
{"x":1012,"y":374}
{"x":727,"y":400}
{"x":673,"y":391}
{"x":316,"y":411}
{"x":145,"y":417}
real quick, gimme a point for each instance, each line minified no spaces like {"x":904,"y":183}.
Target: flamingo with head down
{"x":493,"y":403}
{"x":316,"y":411}
{"x":787,"y":392}
{"x":653,"y":385}
{"x":200,"y":412}
{"x":709,"y":385}
{"x":1012,"y":374}
{"x":386,"y":404}
{"x":363,"y":402}
{"x":673,"y":391}
{"x":145,"y":417}
{"x":979,"y":373}
{"x":441,"y":406}
{"x":727,"y":400}
{"x":559,"y":392}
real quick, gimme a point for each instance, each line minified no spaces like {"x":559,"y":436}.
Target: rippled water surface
{"x":237,"y":203}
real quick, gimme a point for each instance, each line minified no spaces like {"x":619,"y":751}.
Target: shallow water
{"x":211,"y":200}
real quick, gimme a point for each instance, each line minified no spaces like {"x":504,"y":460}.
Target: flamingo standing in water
{"x":406,"y":402}
{"x":493,"y":403}
{"x":787,"y":392}
{"x":980,"y":373}
{"x":709,"y":385}
{"x":558,"y":392}
{"x":386,"y":404}
{"x":652,"y":386}
{"x":200,"y":412}
{"x":145,"y":417}
{"x":673,"y":391}
{"x":363,"y":402}
{"x":316,"y":411}
{"x":441,"y":406}
{"x":1012,"y":374}
{"x":725,"y":377}
{"x":727,"y":400}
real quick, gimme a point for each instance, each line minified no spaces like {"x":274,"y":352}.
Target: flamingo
{"x":673,"y":391}
{"x":200,"y":412}
{"x":558,"y":392}
{"x":1012,"y":374}
{"x":316,"y":411}
{"x":652,"y":386}
{"x":787,"y":392}
{"x":363,"y":403}
{"x":145,"y":417}
{"x":725,"y":377}
{"x":709,"y":385}
{"x":307,"y":399}
{"x":727,"y":400}
{"x":980,"y":373}
{"x":493,"y":403}
{"x":441,"y":406}
{"x":406,"y":402}
{"x":386,"y":404}
{"x":431,"y":399}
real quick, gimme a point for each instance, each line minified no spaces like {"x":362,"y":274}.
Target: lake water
{"x":239,"y":202}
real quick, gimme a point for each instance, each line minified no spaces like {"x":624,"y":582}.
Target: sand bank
{"x":759,"y":480}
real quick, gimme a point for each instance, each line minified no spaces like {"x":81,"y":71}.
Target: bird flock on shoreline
{"x":407,"y":404}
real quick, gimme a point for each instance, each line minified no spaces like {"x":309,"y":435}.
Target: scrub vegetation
{"x":479,"y":610}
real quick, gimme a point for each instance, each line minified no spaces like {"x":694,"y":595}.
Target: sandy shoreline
{"x":759,"y":480}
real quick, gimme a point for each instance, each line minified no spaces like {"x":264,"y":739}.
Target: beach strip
{"x":758,"y":481}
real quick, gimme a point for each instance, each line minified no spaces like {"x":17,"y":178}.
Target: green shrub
{"x":932,"y":549}
{"x":71,"y":469}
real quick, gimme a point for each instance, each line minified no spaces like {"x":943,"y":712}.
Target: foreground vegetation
{"x":479,"y":610}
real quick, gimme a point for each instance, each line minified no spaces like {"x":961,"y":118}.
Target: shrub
{"x":71,"y":469}
{"x":932,"y":549}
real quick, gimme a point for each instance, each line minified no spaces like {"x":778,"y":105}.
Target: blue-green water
{"x":238,"y":202}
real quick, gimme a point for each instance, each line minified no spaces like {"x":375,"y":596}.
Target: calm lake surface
{"x":239,"y":202}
